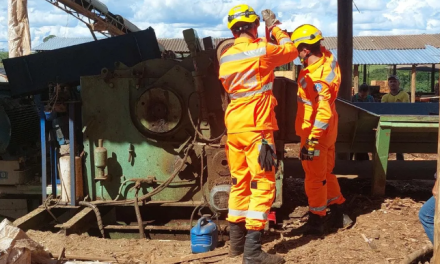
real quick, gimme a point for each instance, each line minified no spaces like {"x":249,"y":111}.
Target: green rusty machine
{"x":152,"y":147}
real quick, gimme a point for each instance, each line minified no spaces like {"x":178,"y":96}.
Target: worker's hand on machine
{"x":270,"y":19}
{"x":308,"y":150}
{"x":267,"y":156}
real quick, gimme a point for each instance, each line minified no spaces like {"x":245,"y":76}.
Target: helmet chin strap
{"x":304,"y":60}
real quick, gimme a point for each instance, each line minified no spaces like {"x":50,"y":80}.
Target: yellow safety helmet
{"x":241,"y":13}
{"x":307,"y":34}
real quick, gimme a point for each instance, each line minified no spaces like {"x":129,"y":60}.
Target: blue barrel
{"x":204,"y":235}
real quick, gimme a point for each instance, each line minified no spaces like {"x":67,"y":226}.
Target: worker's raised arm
{"x":323,"y":112}
{"x":283,"y":53}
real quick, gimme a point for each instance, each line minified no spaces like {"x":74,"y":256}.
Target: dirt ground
{"x":392,"y":225}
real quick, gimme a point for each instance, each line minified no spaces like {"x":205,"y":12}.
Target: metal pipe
{"x":43,"y":147}
{"x":72,"y":153}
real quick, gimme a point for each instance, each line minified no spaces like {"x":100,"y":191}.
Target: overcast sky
{"x":208,"y":17}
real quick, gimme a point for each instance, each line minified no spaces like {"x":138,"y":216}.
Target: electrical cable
{"x":195,"y":127}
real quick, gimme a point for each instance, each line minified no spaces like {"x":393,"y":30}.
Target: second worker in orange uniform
{"x":246,"y":71}
{"x":317,"y":125}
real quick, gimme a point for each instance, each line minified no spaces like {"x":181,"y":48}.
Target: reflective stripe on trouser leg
{"x":334,"y":195}
{"x":262,"y":183}
{"x":240,"y":191}
{"x":315,"y":181}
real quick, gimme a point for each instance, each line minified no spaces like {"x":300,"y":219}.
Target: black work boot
{"x":237,"y":236}
{"x":315,"y":225}
{"x":253,"y":253}
{"x":338,"y":217}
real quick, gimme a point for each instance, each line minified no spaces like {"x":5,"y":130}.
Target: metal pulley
{"x":158,"y":110}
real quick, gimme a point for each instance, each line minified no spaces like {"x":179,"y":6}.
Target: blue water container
{"x":204,"y":235}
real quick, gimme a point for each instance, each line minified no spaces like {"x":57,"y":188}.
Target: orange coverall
{"x":246,"y":71}
{"x":317,"y":118}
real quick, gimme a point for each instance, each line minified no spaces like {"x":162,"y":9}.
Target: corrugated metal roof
{"x":58,"y":43}
{"x":398,"y":42}
{"x":370,"y":53}
{"x":429,"y":55}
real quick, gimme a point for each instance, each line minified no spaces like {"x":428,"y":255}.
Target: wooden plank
{"x":79,"y":223}
{"x":413,"y":84}
{"x":33,"y":220}
{"x":410,"y":118}
{"x":380,"y":161}
{"x":192,"y":257}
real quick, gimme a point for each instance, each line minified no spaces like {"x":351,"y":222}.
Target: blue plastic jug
{"x":204,"y":235}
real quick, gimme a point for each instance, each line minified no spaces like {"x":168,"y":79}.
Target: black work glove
{"x":267,"y":156}
{"x":308,"y":150}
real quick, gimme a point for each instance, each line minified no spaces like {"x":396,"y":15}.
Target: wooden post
{"x":356,"y":79}
{"x":365,"y":74}
{"x":394,"y":69}
{"x":345,"y":46}
{"x":432,"y":77}
{"x":437,"y":209}
{"x":413,"y":84}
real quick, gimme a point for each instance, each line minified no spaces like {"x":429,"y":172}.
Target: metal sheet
{"x":31,"y":74}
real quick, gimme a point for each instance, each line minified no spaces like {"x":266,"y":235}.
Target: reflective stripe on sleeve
{"x":332,"y":74}
{"x":285,"y":40}
{"x":320,"y":124}
{"x":304,"y":101}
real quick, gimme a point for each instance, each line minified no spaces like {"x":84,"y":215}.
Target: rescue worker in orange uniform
{"x":246,"y":71}
{"x":317,"y":125}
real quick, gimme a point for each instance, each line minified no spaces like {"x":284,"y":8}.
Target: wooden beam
{"x":380,"y":161}
{"x":345,"y":46}
{"x":356,"y":78}
{"x":80,"y":223}
{"x":413,"y":84}
{"x":365,"y":74}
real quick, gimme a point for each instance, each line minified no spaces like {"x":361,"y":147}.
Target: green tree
{"x":48,"y":37}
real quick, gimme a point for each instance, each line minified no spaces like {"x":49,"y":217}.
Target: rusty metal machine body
{"x":146,"y":117}
{"x":152,"y":140}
